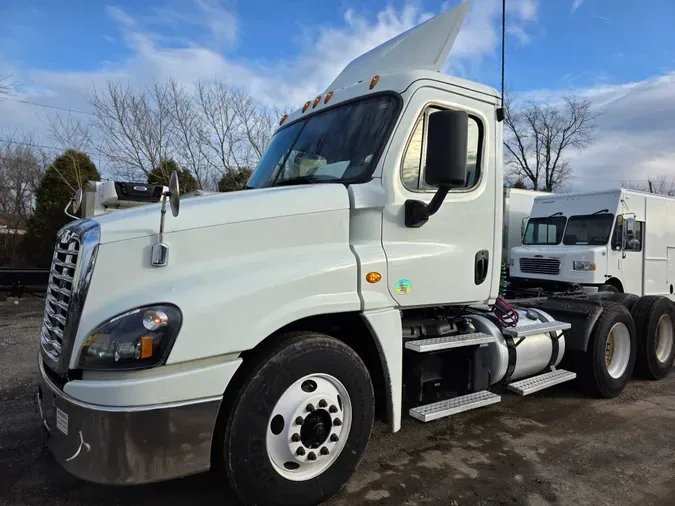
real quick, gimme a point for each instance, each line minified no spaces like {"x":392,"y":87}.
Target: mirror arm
{"x":417,"y":213}
{"x":70,"y":202}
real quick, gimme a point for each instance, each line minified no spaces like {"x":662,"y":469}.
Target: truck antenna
{"x":501,"y":111}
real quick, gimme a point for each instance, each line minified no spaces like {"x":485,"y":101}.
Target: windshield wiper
{"x":559,"y":213}
{"x":600,"y":211}
{"x":307,"y":180}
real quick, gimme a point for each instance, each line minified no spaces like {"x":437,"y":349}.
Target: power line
{"x":54,"y":148}
{"x":28,"y":102}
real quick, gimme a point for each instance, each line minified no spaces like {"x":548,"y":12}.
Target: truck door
{"x":450,"y":258}
{"x":630,"y":256}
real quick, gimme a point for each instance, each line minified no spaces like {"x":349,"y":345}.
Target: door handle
{"x":481,"y":267}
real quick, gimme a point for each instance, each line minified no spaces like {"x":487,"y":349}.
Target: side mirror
{"x":447,"y":139}
{"x":630,"y":225}
{"x":523,"y":227}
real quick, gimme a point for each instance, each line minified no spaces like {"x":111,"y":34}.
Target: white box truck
{"x":260,"y":333}
{"x":616,"y":240}
{"x":517,"y":207}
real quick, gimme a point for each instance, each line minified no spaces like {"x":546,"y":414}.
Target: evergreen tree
{"x":234,"y":180}
{"x":62,"y":179}
{"x":162,"y":174}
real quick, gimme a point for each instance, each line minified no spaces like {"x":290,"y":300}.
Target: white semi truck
{"x":616,"y":240}
{"x":259,"y":333}
{"x":517,"y":208}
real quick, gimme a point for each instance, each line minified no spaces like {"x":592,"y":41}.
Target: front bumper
{"x":130,"y":445}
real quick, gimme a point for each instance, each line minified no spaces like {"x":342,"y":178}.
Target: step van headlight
{"x":138,"y":339}
{"x":578,"y":265}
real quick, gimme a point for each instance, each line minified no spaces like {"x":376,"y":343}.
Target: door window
{"x":414,"y":160}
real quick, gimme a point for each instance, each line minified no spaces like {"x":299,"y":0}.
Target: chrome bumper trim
{"x":127,"y":445}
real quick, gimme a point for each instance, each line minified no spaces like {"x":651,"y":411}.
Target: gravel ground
{"x":555,"y":447}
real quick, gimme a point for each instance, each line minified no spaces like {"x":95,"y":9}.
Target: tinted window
{"x":593,"y":229}
{"x":338,"y":145}
{"x":412,"y":168}
{"x":544,"y":230}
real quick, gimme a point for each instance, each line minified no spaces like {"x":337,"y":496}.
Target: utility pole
{"x":651,"y":188}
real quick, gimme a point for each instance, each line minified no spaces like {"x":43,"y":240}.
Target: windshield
{"x":339,"y":145}
{"x":544,"y":230}
{"x":589,"y":229}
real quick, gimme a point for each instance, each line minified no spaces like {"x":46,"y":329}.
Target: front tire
{"x":608,"y":362}
{"x":299,"y":423}
{"x":655,"y":323}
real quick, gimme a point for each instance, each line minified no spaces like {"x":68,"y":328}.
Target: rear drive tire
{"x":608,"y":288}
{"x":608,"y":362}
{"x":655,"y":324}
{"x":628,"y":300}
{"x":299,"y":423}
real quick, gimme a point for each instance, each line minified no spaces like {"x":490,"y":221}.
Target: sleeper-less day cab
{"x":259,"y":333}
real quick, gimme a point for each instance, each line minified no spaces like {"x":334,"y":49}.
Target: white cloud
{"x":576,"y":4}
{"x":635,"y":132}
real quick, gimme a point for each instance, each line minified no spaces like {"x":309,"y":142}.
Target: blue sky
{"x":620,"y":52}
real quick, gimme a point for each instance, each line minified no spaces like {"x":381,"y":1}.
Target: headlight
{"x":583,"y":266}
{"x":138,"y":339}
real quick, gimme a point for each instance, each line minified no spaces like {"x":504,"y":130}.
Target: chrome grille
{"x":549,"y":266}
{"x":59,"y":293}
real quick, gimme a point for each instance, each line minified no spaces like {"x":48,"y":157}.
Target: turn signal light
{"x":374,"y":81}
{"x":146,"y":346}
{"x":373,"y":277}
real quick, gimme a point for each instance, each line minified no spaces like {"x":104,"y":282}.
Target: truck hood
{"x":223,"y":208}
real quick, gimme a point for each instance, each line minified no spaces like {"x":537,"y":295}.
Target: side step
{"x":534,"y":384}
{"x":453,"y":406}
{"x":536,"y":328}
{"x":448,"y":342}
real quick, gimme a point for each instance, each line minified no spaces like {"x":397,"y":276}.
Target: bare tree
{"x":72,"y":135}
{"x":6,"y":84}
{"x":660,"y":185}
{"x":22,"y":166}
{"x":135,"y":126}
{"x":538,"y":136}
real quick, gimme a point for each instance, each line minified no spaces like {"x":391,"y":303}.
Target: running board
{"x":453,"y":406}
{"x":449,"y":342}
{"x":534,"y":384}
{"x":536,"y":328}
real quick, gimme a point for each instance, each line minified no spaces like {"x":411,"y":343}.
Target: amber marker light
{"x":373,"y":277}
{"x":146,"y":346}
{"x":329,"y":95}
{"x":316,"y":101}
{"x":283,"y":118}
{"x":374,"y":81}
{"x":307,"y":104}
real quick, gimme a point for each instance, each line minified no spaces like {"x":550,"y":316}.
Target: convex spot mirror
{"x":174,"y":198}
{"x":77,"y":200}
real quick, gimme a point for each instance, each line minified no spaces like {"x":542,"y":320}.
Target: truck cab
{"x":259,"y":333}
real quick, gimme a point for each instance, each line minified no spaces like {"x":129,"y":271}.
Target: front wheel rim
{"x":309,"y":427}
{"x":664,"y":338}
{"x":617,"y":350}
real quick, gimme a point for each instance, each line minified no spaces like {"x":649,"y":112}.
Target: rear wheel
{"x":626,"y":299}
{"x":299,"y":424}
{"x":655,"y":323}
{"x":608,"y":362}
